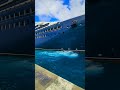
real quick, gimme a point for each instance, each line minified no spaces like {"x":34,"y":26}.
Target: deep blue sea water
{"x":16,"y":73}
{"x":103,"y":75}
{"x":67,"y":64}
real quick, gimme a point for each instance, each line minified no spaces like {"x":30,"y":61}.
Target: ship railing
{"x":40,"y":28}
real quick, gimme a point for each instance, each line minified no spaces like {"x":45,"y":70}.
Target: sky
{"x":58,"y":10}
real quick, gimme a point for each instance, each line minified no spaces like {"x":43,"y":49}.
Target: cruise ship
{"x":67,"y":35}
{"x":102,"y":30}
{"x":17,"y":27}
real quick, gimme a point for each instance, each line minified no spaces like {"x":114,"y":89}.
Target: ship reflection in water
{"x":67,"y":64}
{"x":16,"y":73}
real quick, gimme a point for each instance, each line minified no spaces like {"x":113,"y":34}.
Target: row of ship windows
{"x":14,"y":25}
{"x":50,"y":30}
{"x":25,"y":12}
{"x":15,"y":6}
{"x":43,"y":36}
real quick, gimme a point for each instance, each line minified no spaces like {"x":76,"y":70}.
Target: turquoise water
{"x":67,"y":64}
{"x":17,"y":73}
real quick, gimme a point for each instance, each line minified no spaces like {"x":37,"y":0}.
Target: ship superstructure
{"x":17,"y":26}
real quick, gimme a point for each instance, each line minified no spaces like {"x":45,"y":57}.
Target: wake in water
{"x":69,"y":54}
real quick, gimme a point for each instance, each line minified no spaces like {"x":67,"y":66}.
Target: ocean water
{"x":16,"y":73}
{"x":67,"y":64}
{"x":102,"y":75}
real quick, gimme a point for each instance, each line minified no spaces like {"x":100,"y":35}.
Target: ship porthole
{"x":67,"y":26}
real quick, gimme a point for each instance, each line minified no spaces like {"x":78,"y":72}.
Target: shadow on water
{"x":16,"y":73}
{"x":67,"y":64}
